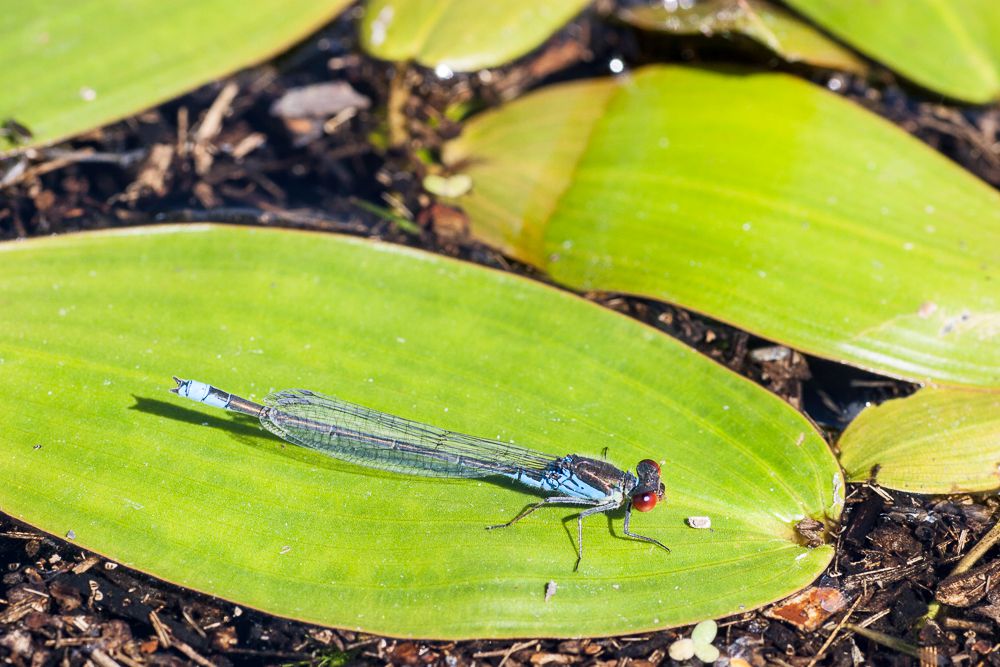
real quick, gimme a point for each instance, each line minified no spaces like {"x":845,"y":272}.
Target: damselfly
{"x":380,"y":440}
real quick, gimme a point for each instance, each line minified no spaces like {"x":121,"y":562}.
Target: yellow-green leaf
{"x":461,"y":35}
{"x":93,"y":443}
{"x":949,"y":46}
{"x":757,"y":199}
{"x":775,"y":28}
{"x":74,"y":65}
{"x":936,"y":441}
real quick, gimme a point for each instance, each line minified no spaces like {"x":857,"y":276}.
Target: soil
{"x":221,"y":154}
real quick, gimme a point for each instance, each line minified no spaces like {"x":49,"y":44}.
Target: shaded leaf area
{"x":461,"y":35}
{"x":949,"y":47}
{"x":781,"y":32}
{"x":74,"y":65}
{"x":936,"y":441}
{"x":95,"y":445}
{"x":757,"y":199}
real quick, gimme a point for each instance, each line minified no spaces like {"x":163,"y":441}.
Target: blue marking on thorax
{"x":558,"y":479}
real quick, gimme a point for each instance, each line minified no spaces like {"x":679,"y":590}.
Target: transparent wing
{"x":376,"y":439}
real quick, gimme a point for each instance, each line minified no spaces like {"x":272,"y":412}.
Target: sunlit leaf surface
{"x":93,"y":443}
{"x":936,"y":441}
{"x":949,"y":46}
{"x":461,"y":35}
{"x":784,"y":34}
{"x":74,"y":65}
{"x":758,"y":199}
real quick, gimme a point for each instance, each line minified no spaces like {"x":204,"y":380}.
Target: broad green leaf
{"x":93,"y":443}
{"x":949,"y":46}
{"x":936,"y":441}
{"x":74,"y":65}
{"x":775,"y":28}
{"x":757,"y":199}
{"x":461,"y":35}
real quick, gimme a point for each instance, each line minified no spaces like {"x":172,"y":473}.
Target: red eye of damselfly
{"x":644,"y":501}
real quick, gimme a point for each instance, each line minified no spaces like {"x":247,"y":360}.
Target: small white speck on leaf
{"x":550,"y":590}
{"x":380,"y":26}
{"x":699,"y":522}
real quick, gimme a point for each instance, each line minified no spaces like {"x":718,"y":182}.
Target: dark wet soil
{"x":227,"y":153}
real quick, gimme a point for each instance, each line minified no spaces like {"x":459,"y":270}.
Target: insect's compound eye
{"x":648,"y":463}
{"x":644,"y":501}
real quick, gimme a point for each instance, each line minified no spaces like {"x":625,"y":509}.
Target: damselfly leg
{"x":637,"y":536}
{"x":554,"y":500}
{"x":595,"y":507}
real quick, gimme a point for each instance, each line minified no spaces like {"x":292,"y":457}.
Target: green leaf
{"x":461,"y":35}
{"x":757,"y":199}
{"x":775,"y":28}
{"x":936,"y":441}
{"x":949,"y":46}
{"x":74,"y":65}
{"x":93,"y":443}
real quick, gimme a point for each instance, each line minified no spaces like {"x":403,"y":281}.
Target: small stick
{"x":888,"y":641}
{"x":102,"y":659}
{"x":833,"y":635}
{"x":978,"y":551}
{"x":211,"y":124}
{"x":968,"y":560}
{"x":161,"y":630}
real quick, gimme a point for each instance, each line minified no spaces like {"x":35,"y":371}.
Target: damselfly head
{"x":648,"y":472}
{"x":650,"y":489}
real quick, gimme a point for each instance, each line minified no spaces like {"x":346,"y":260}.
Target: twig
{"x":102,"y":659}
{"x":190,"y":621}
{"x":160,"y":629}
{"x":168,"y":640}
{"x":874,"y":617}
{"x":210,"y":126}
{"x":21,"y":535}
{"x":888,"y":641}
{"x":57,"y":159}
{"x":191,"y":653}
{"x":962,"y":624}
{"x":833,"y":635}
{"x":212,"y":122}
{"x":127,"y":661}
{"x":978,"y":551}
{"x":506,"y":652}
{"x":363,"y":642}
{"x":968,"y":560}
